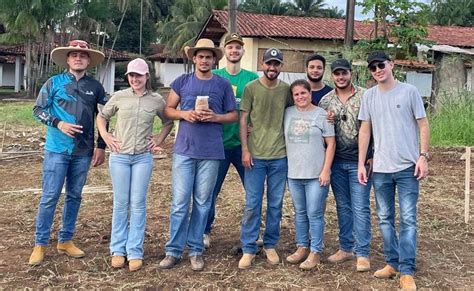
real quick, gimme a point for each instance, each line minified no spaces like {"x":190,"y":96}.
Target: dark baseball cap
{"x":377,"y":56}
{"x":341,"y":64}
{"x":230,"y":37}
{"x":272,"y":54}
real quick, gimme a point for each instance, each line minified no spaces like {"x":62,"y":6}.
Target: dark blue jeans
{"x":234,"y":157}
{"x":400,"y":252}
{"x":58,"y":168}
{"x":353,"y":209}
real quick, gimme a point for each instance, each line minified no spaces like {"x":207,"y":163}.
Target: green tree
{"x":274,"y":7}
{"x":404,"y":22}
{"x":128,"y":38}
{"x":333,"y":12}
{"x":184,"y":22}
{"x":306,"y":8}
{"x":33,"y":24}
{"x":452,"y":12}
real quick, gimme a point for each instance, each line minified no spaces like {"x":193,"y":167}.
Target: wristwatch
{"x":426,"y":155}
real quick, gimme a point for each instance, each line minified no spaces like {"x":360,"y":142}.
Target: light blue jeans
{"x":193,"y":179}
{"x":130,"y":179}
{"x":309,"y":201}
{"x":353,"y":209}
{"x":400,"y":254}
{"x":58,"y":168}
{"x":275,"y":173}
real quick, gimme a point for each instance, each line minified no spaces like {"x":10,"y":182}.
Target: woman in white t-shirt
{"x":310,"y":146}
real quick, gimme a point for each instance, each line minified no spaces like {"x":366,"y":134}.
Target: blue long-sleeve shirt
{"x":63,"y":98}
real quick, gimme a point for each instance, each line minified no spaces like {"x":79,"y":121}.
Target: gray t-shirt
{"x":304,"y":139}
{"x":393,"y":116}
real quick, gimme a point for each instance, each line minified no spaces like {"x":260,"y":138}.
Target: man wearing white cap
{"x":206,"y":101}
{"x":67,"y":104}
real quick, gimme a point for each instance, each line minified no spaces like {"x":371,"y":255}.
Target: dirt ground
{"x":445,"y":243}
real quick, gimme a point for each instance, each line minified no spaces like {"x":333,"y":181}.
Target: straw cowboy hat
{"x":59,"y":54}
{"x":204,"y":44}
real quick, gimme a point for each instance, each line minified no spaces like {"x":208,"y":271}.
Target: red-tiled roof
{"x":158,"y":53}
{"x":20,"y":50}
{"x":414,"y":64}
{"x":263,"y":25}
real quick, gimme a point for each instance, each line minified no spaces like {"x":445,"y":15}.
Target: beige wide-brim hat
{"x":59,"y":54}
{"x":204,"y":44}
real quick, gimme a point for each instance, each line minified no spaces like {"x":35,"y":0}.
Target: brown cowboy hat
{"x":204,"y":44}
{"x":59,"y":54}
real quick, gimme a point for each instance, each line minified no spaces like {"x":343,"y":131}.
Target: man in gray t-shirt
{"x":394,"y":112}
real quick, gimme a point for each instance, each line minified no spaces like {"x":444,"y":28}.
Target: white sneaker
{"x":207,"y":240}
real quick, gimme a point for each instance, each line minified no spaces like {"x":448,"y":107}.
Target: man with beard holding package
{"x":315,"y":65}
{"x":264,"y":157}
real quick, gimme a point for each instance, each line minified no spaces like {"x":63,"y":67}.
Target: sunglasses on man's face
{"x":374,"y":67}
{"x":78,"y":43}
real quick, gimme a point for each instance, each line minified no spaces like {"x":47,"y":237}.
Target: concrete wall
{"x":167,"y":72}
{"x":252,"y":45}
{"x":8,"y":76}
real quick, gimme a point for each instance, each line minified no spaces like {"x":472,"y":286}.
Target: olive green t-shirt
{"x":231,"y":130}
{"x":266,"y":108}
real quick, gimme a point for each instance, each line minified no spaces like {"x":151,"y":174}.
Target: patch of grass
{"x":21,"y":114}
{"x":17,"y":113}
{"x":452,"y":123}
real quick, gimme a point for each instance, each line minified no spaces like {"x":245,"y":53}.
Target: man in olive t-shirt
{"x":264,"y":157}
{"x":238,"y":77}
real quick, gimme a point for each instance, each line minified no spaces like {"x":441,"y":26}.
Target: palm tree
{"x":274,"y":7}
{"x":307,"y":8}
{"x":184,"y":22}
{"x":33,"y":23}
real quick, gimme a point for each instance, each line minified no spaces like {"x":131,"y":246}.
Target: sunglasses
{"x":78,"y":43}
{"x":373,"y":68}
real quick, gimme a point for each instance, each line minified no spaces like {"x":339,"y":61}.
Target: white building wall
{"x":8,"y":79}
{"x":422,"y":81}
{"x":168,"y":72}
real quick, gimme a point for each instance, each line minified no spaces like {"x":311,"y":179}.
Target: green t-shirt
{"x":266,"y":108}
{"x":239,"y":81}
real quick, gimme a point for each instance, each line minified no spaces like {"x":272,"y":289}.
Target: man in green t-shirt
{"x":264,"y":157}
{"x":238,"y":77}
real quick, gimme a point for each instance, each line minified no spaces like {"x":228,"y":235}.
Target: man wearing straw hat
{"x":206,"y":101}
{"x":67,"y":104}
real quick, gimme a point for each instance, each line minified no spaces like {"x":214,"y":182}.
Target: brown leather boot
{"x":135,"y":265}
{"x":340,"y":256}
{"x":117,"y":261}
{"x":70,"y":249}
{"x":272,"y":256}
{"x":407,"y":282}
{"x":311,"y":261}
{"x":297,"y":257}
{"x":37,"y":255}
{"x":386,"y":272}
{"x":363,"y":264}
{"x":246,"y":261}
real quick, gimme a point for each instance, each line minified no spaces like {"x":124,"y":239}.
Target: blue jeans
{"x":353,"y":209}
{"x":275,"y":173}
{"x":192,"y":178}
{"x":400,"y":254}
{"x":58,"y":168}
{"x":130,"y":178}
{"x":234,"y":157}
{"x":309,"y":200}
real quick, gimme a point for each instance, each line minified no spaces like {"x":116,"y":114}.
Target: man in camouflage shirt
{"x":352,"y":198}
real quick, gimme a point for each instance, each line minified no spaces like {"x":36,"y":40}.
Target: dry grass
{"x":445,"y":256}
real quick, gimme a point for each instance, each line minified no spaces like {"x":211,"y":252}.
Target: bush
{"x":451,"y":122}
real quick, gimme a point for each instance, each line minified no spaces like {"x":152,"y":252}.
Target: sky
{"x":358,"y":11}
